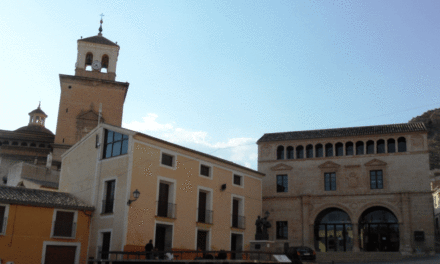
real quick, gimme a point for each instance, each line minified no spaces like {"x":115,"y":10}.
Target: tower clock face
{"x":96,"y":65}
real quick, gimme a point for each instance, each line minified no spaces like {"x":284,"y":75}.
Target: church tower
{"x":90,"y":96}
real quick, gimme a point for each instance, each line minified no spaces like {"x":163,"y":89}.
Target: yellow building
{"x":39,"y":226}
{"x":187,"y":199}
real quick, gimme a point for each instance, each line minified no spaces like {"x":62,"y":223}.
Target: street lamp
{"x":136,"y":195}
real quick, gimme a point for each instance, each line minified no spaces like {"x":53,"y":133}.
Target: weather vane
{"x":100,"y":26}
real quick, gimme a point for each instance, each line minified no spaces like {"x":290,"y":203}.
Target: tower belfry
{"x":93,"y":86}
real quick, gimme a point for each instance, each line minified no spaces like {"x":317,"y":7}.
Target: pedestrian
{"x":148,"y":249}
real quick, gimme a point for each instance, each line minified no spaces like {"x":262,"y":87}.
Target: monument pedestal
{"x":262,"y":246}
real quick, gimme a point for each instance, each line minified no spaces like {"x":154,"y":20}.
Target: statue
{"x":261,"y":228}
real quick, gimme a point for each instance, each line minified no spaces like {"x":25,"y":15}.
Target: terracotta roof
{"x":99,"y":40}
{"x":38,"y":111}
{"x":344,"y":132}
{"x":20,"y":195}
{"x":47,"y":184}
{"x":34,"y":129}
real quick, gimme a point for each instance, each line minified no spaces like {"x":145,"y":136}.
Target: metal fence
{"x":238,"y":221}
{"x":166,"y":209}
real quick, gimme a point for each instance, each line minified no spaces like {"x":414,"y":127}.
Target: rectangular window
{"x":64,"y":224}
{"x":3,"y":218}
{"x":282,"y":183}
{"x":238,"y":179}
{"x":115,"y":144}
{"x":109,"y":197}
{"x":165,"y":199}
{"x":330,"y":181}
{"x":204,"y":170}
{"x":376,"y":179}
{"x":167,"y":160}
{"x":281,"y":229}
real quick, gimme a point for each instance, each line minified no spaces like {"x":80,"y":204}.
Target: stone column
{"x":305,"y":221}
{"x":355,"y":237}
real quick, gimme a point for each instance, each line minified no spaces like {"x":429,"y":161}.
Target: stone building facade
{"x":349,"y":189}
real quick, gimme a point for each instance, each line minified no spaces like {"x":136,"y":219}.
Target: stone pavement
{"x":414,"y":260}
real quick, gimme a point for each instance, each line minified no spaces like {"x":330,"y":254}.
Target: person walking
{"x":148,"y":248}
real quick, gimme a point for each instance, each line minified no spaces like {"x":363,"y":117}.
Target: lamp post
{"x":136,"y":195}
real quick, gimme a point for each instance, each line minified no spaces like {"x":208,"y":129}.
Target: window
{"x":339,"y":149}
{"x":391,"y":145}
{"x":167,"y":160}
{"x":204,"y":210}
{"x":166,"y":191}
{"x":105,"y":244}
{"x":376,"y":179}
{"x":300,"y":152}
{"x":319,"y":151}
{"x":238,"y":180}
{"x":238,"y":219}
{"x":282,"y":183}
{"x":329,"y":150}
{"x":281,"y":229}
{"x":109,"y":197}
{"x":104,"y":61}
{"x":115,"y":144}
{"x":330,"y":181}
{"x":309,"y":151}
{"x":359,"y":148}
{"x":204,"y":170}
{"x":401,"y":144}
{"x":380,"y":146}
{"x":3,"y":218}
{"x":64,"y":224}
{"x":370,"y":147}
{"x":289,"y":152}
{"x":280,"y":153}
{"x":349,"y":148}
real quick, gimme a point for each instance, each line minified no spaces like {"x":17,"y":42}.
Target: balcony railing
{"x":107,"y":206}
{"x":238,"y":221}
{"x":166,"y":209}
{"x":64,"y":229}
{"x":3,"y":225}
{"x":205,"y":216}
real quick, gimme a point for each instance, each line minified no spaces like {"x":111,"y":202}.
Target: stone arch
{"x":365,"y":207}
{"x":316,"y":211}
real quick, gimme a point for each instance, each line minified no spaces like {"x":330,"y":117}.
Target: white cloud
{"x":240,"y":150}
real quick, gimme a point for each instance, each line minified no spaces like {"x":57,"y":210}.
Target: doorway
{"x":164,"y":237}
{"x":236,"y":245}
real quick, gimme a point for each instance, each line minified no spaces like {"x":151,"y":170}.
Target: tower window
{"x":89,"y":58}
{"x":104,"y":61}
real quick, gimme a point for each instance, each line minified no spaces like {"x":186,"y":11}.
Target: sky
{"x":215,"y":76}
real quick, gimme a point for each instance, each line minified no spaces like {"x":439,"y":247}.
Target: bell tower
{"x":91,"y":95}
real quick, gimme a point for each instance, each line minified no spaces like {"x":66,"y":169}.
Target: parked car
{"x":301,"y":253}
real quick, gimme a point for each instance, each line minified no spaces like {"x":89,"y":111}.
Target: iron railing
{"x":238,"y":221}
{"x":205,"y":216}
{"x":242,"y":256}
{"x":64,"y":229}
{"x":166,"y":209}
{"x":107,"y":206}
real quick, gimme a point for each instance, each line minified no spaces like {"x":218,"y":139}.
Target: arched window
{"x":89,"y":61}
{"x":378,"y":230}
{"x":319,"y":151}
{"x":309,"y":151}
{"x":333,"y":231}
{"x":391,"y":145}
{"x":359,"y":148}
{"x":33,"y":144}
{"x":104,"y":63}
{"x":24,"y":144}
{"x":289,"y":152}
{"x":280,"y":153}
{"x":339,"y":149}
{"x":370,"y":147}
{"x":14,"y":143}
{"x":329,"y":150}
{"x":41,"y":146}
{"x":381,"y":146}
{"x":349,"y":148}
{"x":401,"y":144}
{"x":5,"y":142}
{"x":300,"y":152}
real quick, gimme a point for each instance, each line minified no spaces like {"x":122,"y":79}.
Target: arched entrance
{"x":333,"y":231}
{"x":378,"y":230}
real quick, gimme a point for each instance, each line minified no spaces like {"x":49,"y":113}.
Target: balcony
{"x":107,"y":206}
{"x":165,"y":209}
{"x":238,"y":221}
{"x":205,"y":216}
{"x":64,"y":229}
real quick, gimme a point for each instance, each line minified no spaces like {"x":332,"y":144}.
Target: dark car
{"x":301,"y":253}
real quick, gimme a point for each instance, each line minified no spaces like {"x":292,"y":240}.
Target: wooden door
{"x":60,"y":254}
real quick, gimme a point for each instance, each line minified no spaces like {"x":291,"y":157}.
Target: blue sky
{"x":216,"y":75}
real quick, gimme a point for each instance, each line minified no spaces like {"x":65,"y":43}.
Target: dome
{"x":35,"y":129}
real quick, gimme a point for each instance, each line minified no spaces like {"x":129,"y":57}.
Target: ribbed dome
{"x":35,"y":129}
